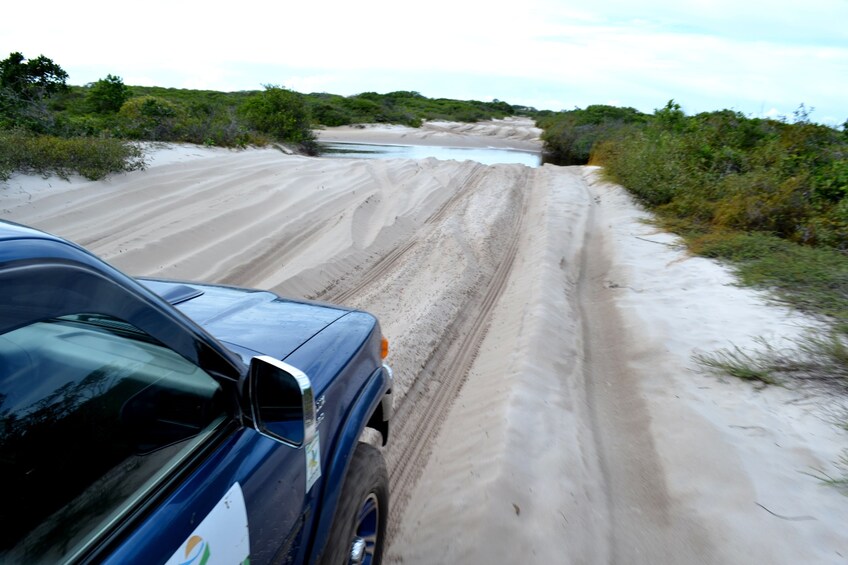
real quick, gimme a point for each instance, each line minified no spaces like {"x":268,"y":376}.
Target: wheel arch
{"x":367,"y":412}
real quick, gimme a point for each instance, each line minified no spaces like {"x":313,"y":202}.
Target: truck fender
{"x":367,"y":403}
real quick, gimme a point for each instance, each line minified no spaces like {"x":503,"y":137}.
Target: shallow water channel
{"x":486,"y":156}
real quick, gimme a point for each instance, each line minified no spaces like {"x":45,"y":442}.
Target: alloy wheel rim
{"x":365,"y":534}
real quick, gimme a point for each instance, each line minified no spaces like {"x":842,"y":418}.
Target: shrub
{"x":766,"y":195}
{"x":329,"y":114}
{"x":763,"y":201}
{"x":570,"y":137}
{"x":91,"y":157}
{"x":282,"y":114}
{"x":830,"y":226}
{"x":107,"y":95}
{"x":149,"y":117}
{"x":645,"y":162}
{"x":401,"y":107}
{"x":723,"y":171}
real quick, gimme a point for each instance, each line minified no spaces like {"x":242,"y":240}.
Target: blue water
{"x":486,"y":156}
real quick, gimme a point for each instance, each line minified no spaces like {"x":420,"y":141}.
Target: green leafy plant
{"x":107,"y":95}
{"x":93,"y":158}
{"x":569,"y":137}
{"x":149,"y":117}
{"x":282,"y":114}
{"x":32,"y":79}
{"x":25,"y":88}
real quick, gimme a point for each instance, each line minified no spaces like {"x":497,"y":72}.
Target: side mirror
{"x":282,"y":401}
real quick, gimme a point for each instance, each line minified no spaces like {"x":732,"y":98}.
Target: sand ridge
{"x":509,"y":133}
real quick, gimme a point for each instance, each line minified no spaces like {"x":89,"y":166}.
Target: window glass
{"x":93,"y":412}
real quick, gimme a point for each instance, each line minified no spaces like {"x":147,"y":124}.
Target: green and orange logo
{"x":196,"y":551}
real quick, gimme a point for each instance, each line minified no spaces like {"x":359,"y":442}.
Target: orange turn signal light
{"x":384,"y":348}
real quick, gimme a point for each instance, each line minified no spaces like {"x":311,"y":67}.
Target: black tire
{"x":366,"y":489}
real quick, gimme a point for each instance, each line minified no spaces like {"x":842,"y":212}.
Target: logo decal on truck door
{"x":222,"y":537}
{"x":313,"y":462}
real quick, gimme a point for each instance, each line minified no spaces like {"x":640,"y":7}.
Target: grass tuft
{"x":840,"y":483}
{"x":812,"y":279}
{"x":746,"y":365}
{"x":818,"y":358}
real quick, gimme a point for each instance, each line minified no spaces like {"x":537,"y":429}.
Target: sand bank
{"x":510,"y":133}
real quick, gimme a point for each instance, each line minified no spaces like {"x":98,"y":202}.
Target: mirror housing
{"x":282,"y":401}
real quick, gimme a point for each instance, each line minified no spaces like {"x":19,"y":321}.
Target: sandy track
{"x":645,"y":524}
{"x":436,"y":386}
{"x":427,"y":246}
{"x":547,"y":411}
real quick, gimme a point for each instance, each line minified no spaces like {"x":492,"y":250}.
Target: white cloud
{"x":706,"y":54}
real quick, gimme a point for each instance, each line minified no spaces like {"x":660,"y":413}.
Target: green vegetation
{"x":768,"y":196}
{"x":93,"y":158}
{"x":840,"y":483}
{"x":816,"y":358}
{"x":570,"y":136}
{"x":814,"y":279}
{"x":107,"y":95}
{"x":35,"y":99}
{"x":283,"y":115}
{"x":402,"y":107}
{"x":25,"y":86}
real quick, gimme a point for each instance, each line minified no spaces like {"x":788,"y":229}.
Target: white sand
{"x":509,"y":133}
{"x":582,"y":433}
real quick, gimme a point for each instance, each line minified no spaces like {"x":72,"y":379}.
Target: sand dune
{"x":510,"y":133}
{"x":548,"y":410}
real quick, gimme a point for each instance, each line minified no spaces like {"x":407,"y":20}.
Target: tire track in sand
{"x":419,"y":416}
{"x":420,"y":411}
{"x":385,"y":263}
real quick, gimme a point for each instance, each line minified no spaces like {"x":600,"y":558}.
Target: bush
{"x":329,"y":114}
{"x":569,"y":137}
{"x":724,"y":171}
{"x":150,"y":118}
{"x":107,"y":95}
{"x":769,"y":196}
{"x":219,"y":125}
{"x":763,"y":201}
{"x":402,"y":107}
{"x":283,"y":115}
{"x":93,"y":158}
{"x":830,"y":226}
{"x":645,"y":162}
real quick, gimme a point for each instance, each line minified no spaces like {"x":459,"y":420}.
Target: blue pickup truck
{"x":148,"y":421}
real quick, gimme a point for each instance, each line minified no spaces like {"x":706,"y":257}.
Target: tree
{"x":33,"y":79}
{"x":107,"y":95}
{"x":282,"y":114}
{"x":24,"y":88}
{"x":671,"y":117}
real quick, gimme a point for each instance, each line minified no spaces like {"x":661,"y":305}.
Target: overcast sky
{"x":757,"y":57}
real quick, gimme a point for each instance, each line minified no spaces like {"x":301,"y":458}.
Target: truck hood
{"x":249,"y":322}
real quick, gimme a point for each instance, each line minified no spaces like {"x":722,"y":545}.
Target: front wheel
{"x":359,"y":526}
